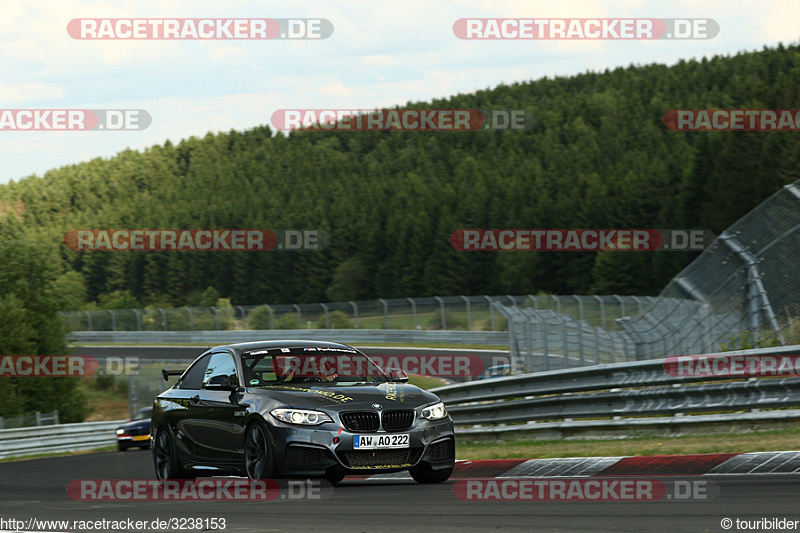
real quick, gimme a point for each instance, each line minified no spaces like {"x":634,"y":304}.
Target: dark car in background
{"x":135,"y":433}
{"x":298,"y":409}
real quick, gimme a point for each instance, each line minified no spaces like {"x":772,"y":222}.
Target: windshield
{"x":322,"y":366}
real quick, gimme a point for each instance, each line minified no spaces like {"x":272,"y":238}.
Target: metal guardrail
{"x":615,"y":391}
{"x":349,"y":336}
{"x":21,"y":442}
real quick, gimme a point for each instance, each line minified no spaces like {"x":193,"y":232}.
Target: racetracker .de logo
{"x":767,"y":365}
{"x":584,"y":29}
{"x":204,"y":240}
{"x":74,"y":119}
{"x":19,"y":366}
{"x":733,"y":119}
{"x":199,"y":28}
{"x":403,"y":119}
{"x":580,"y":240}
{"x":591,"y":489}
{"x":197,"y":490}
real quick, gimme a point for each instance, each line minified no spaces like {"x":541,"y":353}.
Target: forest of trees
{"x":599,"y":157}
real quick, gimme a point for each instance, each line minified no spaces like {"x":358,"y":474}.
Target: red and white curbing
{"x":786,"y":462}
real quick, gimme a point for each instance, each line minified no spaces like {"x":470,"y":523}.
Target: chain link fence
{"x":454,"y":313}
{"x":29,"y":420}
{"x":741,"y":292}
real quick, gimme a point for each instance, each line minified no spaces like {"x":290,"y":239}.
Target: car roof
{"x":288,"y":343}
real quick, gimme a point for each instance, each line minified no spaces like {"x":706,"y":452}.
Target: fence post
{"x":88,"y":320}
{"x":299,"y":316}
{"x":596,"y":345}
{"x":413,"y":311}
{"x":38,"y":418}
{"x":535,"y":303}
{"x":491,"y":312}
{"x":469,"y":322}
{"x":57,"y":421}
{"x":441,"y":310}
{"x":558,"y":303}
{"x":113,"y":320}
{"x":355,"y":312}
{"x":327,"y":322}
{"x":602,"y":310}
{"x":385,"y":313}
{"x":638,"y":303}
{"x":2,"y":423}
{"x":621,"y":305}
{"x":244,"y":315}
{"x":163,"y":319}
{"x":138,"y":320}
{"x":271,"y":316}
{"x":191,"y":318}
{"x":580,"y":307}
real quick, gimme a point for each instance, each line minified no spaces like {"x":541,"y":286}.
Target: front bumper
{"x":328,"y":449}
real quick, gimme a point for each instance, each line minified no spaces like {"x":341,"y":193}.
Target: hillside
{"x":600,"y":157}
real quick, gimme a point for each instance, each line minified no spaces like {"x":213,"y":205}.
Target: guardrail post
{"x":88,"y":321}
{"x":385,"y":313}
{"x":113,"y":320}
{"x":327,"y":322}
{"x":355,"y":312}
{"x":469,"y":321}
{"x":413,"y":311}
{"x":299,"y":316}
{"x":138,"y":320}
{"x":441,"y":310}
{"x":491,"y":312}
{"x":191,"y":318}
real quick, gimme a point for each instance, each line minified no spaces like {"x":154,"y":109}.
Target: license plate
{"x":375,"y":442}
{"x":141,"y":437}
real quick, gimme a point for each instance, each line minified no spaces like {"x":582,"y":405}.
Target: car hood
{"x":388,"y":395}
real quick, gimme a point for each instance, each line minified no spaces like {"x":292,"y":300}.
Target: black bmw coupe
{"x":298,"y":409}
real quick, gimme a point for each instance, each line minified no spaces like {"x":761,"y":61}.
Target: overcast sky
{"x":380,"y":54}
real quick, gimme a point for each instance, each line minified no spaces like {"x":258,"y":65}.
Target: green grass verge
{"x":757,"y":441}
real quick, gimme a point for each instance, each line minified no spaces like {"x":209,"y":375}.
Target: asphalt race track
{"x":37,"y":489}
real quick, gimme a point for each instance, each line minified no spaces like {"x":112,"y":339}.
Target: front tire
{"x":259,"y":461}
{"x":424,"y":474}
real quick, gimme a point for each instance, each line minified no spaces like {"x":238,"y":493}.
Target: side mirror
{"x":398,"y":376}
{"x":220,"y":382}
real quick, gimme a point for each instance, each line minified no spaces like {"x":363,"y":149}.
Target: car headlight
{"x":120,"y":432}
{"x":304,"y":417}
{"x":436,"y":411}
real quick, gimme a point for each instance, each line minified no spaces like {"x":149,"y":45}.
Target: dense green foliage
{"x":600,"y":157}
{"x":30,"y":325}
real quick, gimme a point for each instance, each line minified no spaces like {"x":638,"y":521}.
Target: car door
{"x":181,"y":406}
{"x":217,"y":438}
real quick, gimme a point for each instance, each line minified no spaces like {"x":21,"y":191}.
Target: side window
{"x":221,"y":364}
{"x":193,"y":379}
